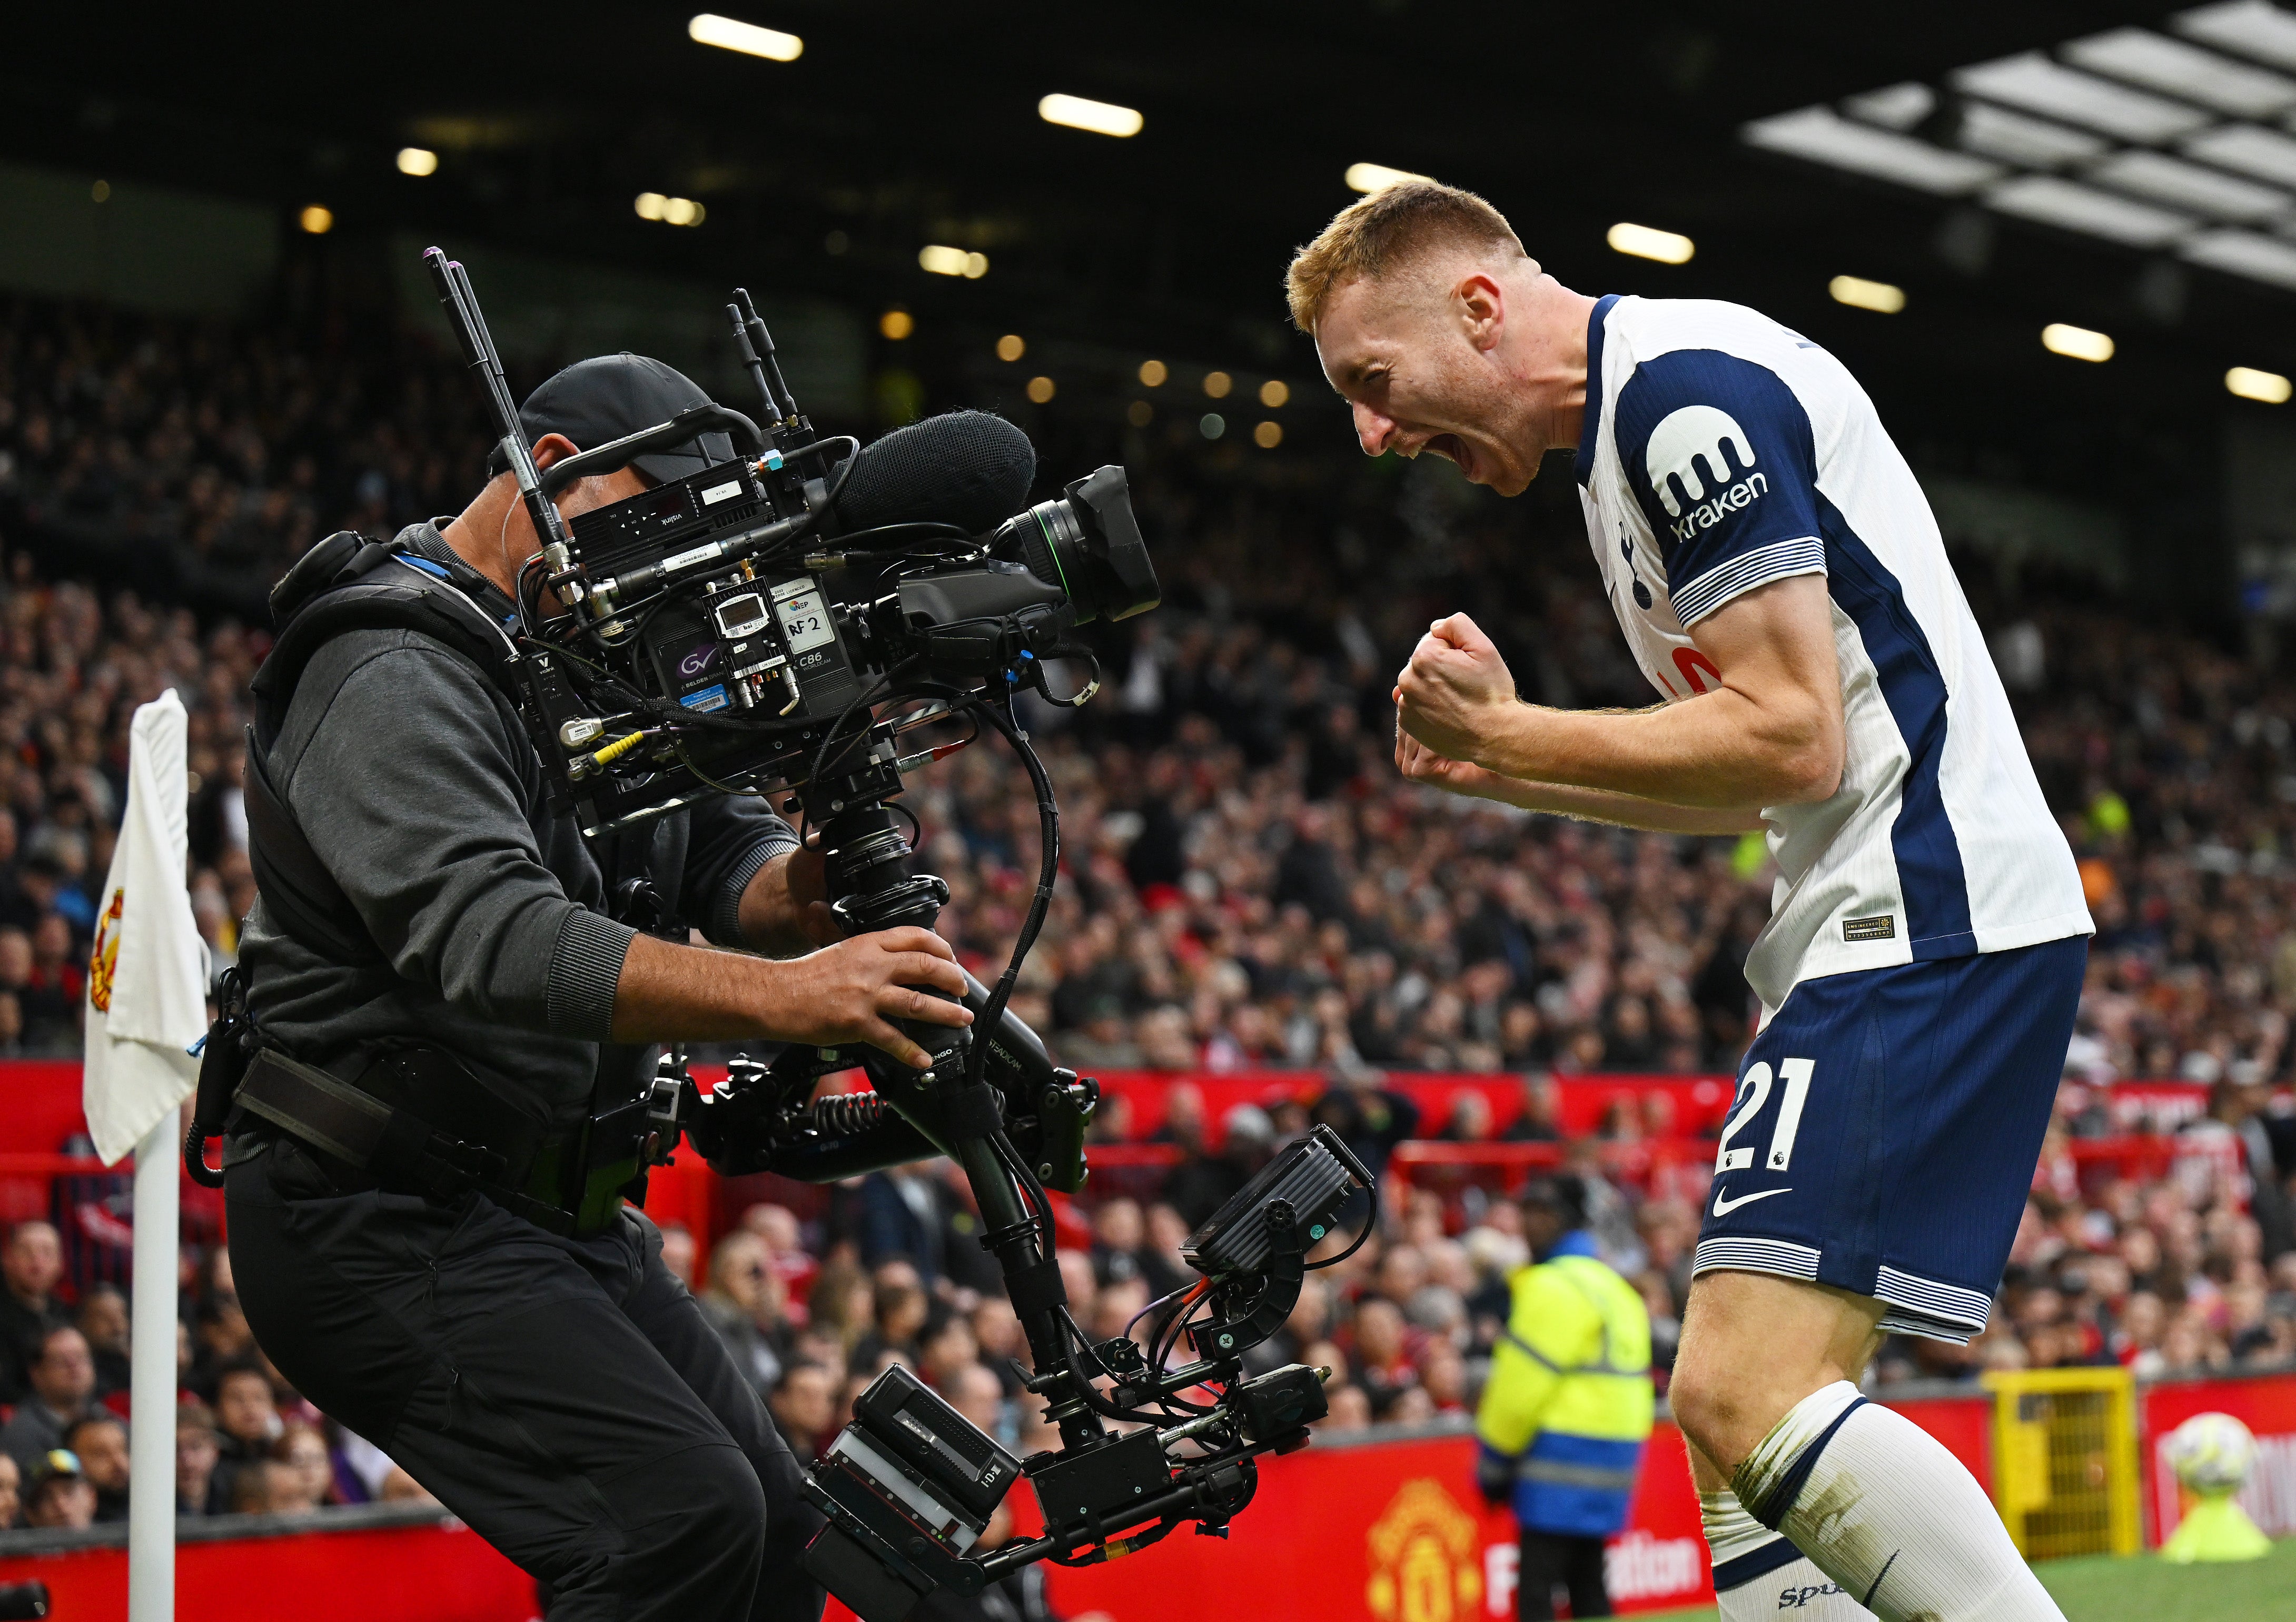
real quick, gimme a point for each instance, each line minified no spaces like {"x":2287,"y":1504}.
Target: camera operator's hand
{"x":852,"y":992}
{"x":844,"y":994}
{"x":1456,"y":690}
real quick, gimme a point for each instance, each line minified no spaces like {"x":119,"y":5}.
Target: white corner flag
{"x":146,"y":1008}
{"x":147,"y":977}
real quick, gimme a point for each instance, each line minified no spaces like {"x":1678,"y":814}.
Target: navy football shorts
{"x":1885,"y":1128}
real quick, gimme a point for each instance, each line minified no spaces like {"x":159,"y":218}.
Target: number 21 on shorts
{"x":1754,"y":1093}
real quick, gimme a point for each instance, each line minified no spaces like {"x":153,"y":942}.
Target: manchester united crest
{"x":104,"y":958}
{"x":1423,"y":1556}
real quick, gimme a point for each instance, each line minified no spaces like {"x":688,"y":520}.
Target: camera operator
{"x":472,"y":1296}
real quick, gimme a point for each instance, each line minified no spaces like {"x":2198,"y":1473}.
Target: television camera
{"x":777,"y":624}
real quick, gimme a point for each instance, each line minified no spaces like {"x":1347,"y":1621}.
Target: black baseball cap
{"x":597,"y":401}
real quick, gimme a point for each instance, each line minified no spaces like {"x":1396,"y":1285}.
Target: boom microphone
{"x":966,"y":468}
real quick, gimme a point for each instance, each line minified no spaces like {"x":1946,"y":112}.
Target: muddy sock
{"x":1758,"y":1575}
{"x":1883,"y":1509}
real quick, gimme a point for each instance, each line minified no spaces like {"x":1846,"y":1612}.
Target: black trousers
{"x":1552,"y":1560}
{"x":563,"y":1396}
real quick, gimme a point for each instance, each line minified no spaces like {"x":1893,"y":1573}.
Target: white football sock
{"x":1881,"y":1508}
{"x":1760,"y":1576}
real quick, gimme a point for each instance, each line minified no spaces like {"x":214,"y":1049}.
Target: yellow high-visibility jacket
{"x":1570,"y":1402}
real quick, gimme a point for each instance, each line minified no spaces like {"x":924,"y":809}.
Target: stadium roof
{"x":1992,"y":169}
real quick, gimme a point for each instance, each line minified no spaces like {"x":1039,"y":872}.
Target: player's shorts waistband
{"x":1916,"y":1306}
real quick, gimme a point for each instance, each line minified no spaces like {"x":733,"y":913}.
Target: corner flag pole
{"x":152,"y":1377}
{"x":146,"y":1008}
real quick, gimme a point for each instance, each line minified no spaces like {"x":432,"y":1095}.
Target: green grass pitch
{"x":2142,"y":1588}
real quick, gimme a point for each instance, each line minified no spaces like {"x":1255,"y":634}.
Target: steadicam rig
{"x":777,"y":624}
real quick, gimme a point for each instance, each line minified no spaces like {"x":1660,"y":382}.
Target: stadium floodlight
{"x":727,"y":34}
{"x":2032,"y":143}
{"x":2049,"y":199}
{"x":2254,"y":29}
{"x":2244,"y":253}
{"x":1081,"y":112}
{"x":943,"y":260}
{"x":2158,"y":177}
{"x":2246,"y":148}
{"x":1859,"y":293}
{"x":1369,"y":177}
{"x":2031,"y":81}
{"x":2250,"y":384}
{"x":1900,"y":106}
{"x":669,"y":211}
{"x":417,"y":160}
{"x":2140,"y":56}
{"x":2075,"y":343}
{"x":1648,"y":242}
{"x":1823,"y":135}
{"x":317,"y":219}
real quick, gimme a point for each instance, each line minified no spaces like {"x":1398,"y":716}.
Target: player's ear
{"x":1481,"y":308}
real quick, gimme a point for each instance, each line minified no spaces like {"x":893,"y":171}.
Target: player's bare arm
{"x":1770,"y":733}
{"x":1419,"y":764}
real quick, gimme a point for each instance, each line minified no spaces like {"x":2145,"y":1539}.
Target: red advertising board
{"x":438,"y":1573}
{"x":2266,"y":1405}
{"x":1385,"y":1531}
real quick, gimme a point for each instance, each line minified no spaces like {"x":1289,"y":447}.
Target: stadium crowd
{"x":1247,"y":886}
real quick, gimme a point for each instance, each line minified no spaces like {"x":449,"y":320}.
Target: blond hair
{"x":1375,"y":234}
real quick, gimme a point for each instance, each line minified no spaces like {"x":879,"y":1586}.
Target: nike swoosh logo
{"x":1723,"y":1207}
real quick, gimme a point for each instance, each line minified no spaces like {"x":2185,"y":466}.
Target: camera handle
{"x":866,"y":858}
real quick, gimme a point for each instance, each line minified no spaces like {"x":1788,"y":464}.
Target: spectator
{"x":247,"y":1422}
{"x":60,"y":1495}
{"x":842,"y":1303}
{"x":302,"y":1448}
{"x":945,"y":1347}
{"x":1200,"y":1184}
{"x":100,"y":1443}
{"x":804,"y":1407}
{"x":29,"y":1269}
{"x":270,"y":1487}
{"x":62,"y":1382}
{"x":197,"y":1486}
{"x":903,"y":1309}
{"x":974,"y":1392}
{"x":744,"y":1303}
{"x":679,"y":1251}
{"x":103,"y":1320}
{"x":904,"y":1215}
{"x":11,"y":1493}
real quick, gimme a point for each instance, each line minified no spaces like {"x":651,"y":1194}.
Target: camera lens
{"x":1086,"y":542}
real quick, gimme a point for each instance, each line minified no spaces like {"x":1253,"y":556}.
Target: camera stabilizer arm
{"x":909,"y":1487}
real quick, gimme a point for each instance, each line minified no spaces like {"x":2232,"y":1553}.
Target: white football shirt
{"x":1721,"y":452}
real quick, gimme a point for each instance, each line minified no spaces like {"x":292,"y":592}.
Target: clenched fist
{"x":1455,"y":691}
{"x":1420,"y":763}
{"x":853,"y":991}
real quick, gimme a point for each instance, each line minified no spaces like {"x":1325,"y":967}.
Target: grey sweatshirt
{"x":414,"y":782}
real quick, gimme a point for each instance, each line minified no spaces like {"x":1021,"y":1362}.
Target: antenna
{"x":462,"y":308}
{"x":770,"y":378}
{"x":755,"y":367}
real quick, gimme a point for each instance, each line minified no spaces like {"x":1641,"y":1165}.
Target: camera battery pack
{"x":908,"y":1419}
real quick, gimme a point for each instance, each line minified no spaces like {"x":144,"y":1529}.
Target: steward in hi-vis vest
{"x":1568,"y":1407}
